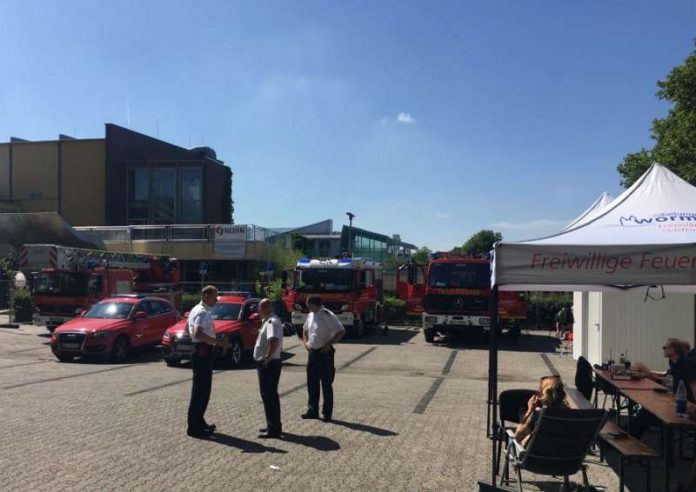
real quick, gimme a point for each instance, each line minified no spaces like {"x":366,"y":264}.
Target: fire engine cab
{"x":65,"y":281}
{"x":452,"y":295}
{"x":349,"y":287}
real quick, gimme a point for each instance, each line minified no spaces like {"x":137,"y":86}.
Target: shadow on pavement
{"x":243,"y":445}
{"x":365,"y":428}
{"x":320,"y":443}
{"x":524,"y":343}
{"x":394,"y":336}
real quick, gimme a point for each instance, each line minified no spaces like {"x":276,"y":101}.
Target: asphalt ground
{"x":409,"y":416}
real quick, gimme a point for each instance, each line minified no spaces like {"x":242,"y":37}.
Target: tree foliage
{"x":675,"y":134}
{"x":422,"y":255}
{"x":480,"y":243}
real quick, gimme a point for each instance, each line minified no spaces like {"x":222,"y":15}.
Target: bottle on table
{"x":680,"y":396}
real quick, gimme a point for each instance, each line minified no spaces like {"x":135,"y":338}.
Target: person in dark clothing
{"x":681,"y":367}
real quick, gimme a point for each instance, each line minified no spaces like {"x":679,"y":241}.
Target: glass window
{"x":139,"y":195}
{"x":191,"y":196}
{"x":164,"y":195}
{"x":109,"y":310}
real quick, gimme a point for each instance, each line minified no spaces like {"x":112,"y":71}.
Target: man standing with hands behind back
{"x":269,"y":345}
{"x":321,"y":331}
{"x":202,"y":332}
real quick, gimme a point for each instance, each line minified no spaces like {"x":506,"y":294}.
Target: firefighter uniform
{"x":321,"y":328}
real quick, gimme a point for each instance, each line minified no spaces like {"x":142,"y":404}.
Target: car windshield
{"x":60,"y":284}
{"x":460,"y":275}
{"x":324,"y":280}
{"x":110,"y":310}
{"x":225,"y":311}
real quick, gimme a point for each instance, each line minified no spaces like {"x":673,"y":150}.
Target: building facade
{"x":125,"y":178}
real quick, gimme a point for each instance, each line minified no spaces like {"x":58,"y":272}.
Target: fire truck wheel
{"x":120,"y":350}
{"x":358,"y":327}
{"x":236,"y":353}
{"x":172,"y":362}
{"x":65,"y":358}
{"x":429,"y":335}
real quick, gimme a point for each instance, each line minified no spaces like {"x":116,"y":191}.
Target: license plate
{"x":70,"y":346}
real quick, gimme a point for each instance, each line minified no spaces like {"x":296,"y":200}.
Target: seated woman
{"x":551,"y":395}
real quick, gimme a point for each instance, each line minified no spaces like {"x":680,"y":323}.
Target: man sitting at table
{"x":681,"y":367}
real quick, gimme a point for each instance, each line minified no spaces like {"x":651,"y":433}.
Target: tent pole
{"x":493,"y":380}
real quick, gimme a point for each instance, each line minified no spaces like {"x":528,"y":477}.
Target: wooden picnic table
{"x":628,"y":384}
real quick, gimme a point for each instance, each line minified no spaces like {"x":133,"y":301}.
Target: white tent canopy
{"x":646,"y":236}
{"x":595,"y":209}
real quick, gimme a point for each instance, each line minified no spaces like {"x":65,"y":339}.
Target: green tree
{"x":422,"y":255}
{"x":675,"y":134}
{"x":480,"y":243}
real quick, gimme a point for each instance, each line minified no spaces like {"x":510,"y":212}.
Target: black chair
{"x":558,"y":445}
{"x":584,"y":381}
{"x":512,"y":405}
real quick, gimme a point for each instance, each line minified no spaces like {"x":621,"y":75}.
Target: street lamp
{"x":351,"y":216}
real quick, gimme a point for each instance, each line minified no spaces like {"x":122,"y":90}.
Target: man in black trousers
{"x":269,"y":345}
{"x":202,"y":331}
{"x":321,"y":331}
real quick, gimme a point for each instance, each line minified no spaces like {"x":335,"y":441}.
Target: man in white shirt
{"x":321,"y":331}
{"x":269,"y":345}
{"x":202,"y":331}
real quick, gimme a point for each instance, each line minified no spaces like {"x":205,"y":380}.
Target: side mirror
{"x":140,"y":315}
{"x":254,"y":317}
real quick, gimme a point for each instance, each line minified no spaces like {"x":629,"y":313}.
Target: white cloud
{"x":442,"y":216}
{"x":405,"y":118}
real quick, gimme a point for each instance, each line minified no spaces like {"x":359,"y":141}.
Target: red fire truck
{"x":452,"y":294}
{"x":350,"y":287}
{"x":65,"y":281}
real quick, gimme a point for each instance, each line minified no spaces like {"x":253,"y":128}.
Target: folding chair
{"x":512,"y":405}
{"x":558,"y":446}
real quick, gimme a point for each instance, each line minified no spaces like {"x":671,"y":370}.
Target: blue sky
{"x":428,"y":119}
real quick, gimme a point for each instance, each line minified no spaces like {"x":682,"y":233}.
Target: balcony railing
{"x":174,"y":232}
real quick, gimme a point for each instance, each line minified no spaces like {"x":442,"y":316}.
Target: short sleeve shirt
{"x":321,"y":328}
{"x":200,"y":316}
{"x":271,"y":328}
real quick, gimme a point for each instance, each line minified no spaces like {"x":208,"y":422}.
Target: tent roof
{"x":595,"y":209}
{"x":645,"y":236}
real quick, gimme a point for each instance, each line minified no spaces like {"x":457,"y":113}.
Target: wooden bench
{"x":632,"y":452}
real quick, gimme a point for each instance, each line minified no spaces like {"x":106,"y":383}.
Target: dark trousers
{"x":320,"y":374}
{"x":269,"y":377}
{"x":200,"y":391}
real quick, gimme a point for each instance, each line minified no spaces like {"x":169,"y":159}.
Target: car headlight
{"x":345,"y":307}
{"x":431,"y":319}
{"x":484,"y":321}
{"x":101,"y":334}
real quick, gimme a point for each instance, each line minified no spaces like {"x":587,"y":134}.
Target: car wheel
{"x":64,"y":358}
{"x":429,"y":335}
{"x":236,"y":353}
{"x":120,"y":350}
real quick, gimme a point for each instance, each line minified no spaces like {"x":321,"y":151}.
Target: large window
{"x":139,"y":195}
{"x":165,"y":195}
{"x":191,"y":196}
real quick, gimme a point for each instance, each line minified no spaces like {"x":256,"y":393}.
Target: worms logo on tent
{"x":661,"y":219}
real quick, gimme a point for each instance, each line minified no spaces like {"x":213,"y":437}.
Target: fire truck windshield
{"x":225,"y":311}
{"x":324,"y":280}
{"x":60,"y":284}
{"x":460,"y":275}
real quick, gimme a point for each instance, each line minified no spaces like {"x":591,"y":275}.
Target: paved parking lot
{"x":410,"y":416}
